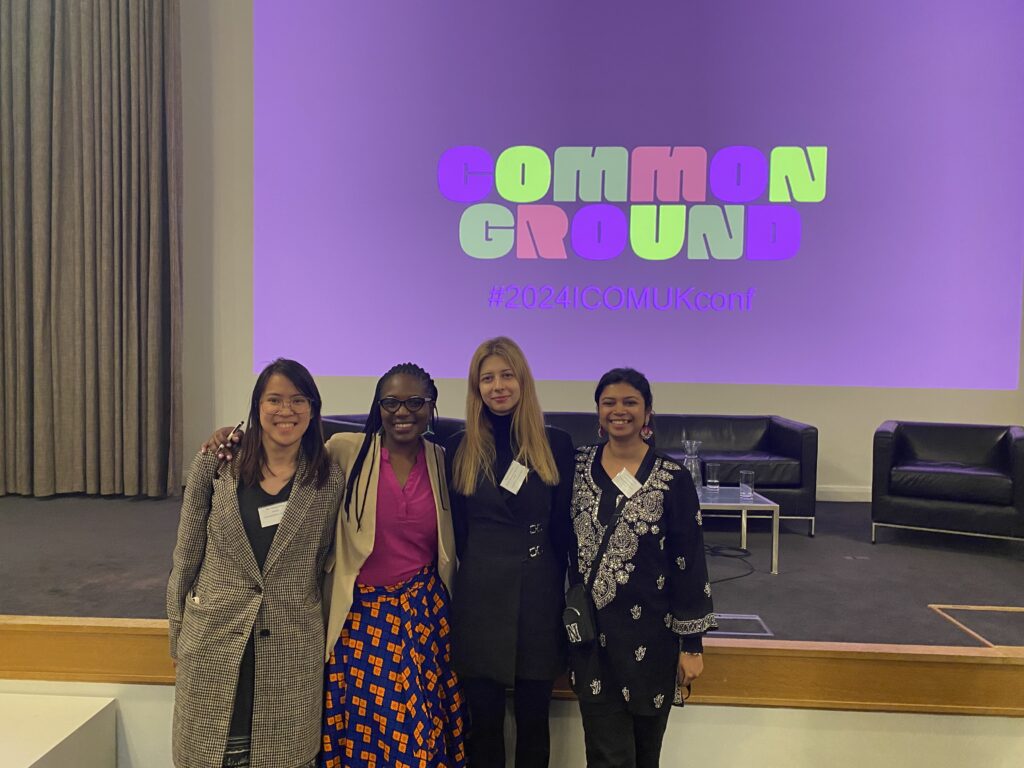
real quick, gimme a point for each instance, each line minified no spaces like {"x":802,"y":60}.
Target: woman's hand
{"x":691,"y":666}
{"x":223,"y":441}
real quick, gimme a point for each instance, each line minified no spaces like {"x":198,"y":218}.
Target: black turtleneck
{"x":501,"y":426}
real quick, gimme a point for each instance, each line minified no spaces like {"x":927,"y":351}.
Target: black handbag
{"x":578,"y":616}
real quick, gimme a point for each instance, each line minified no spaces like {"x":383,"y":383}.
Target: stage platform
{"x":916,"y":623}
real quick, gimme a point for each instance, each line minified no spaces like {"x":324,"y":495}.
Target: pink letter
{"x":540,"y":232}
{"x":660,"y":168}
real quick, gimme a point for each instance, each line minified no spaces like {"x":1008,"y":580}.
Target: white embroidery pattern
{"x":635,"y":611}
{"x":661,"y":543}
{"x":572,"y":678}
{"x":707,"y":588}
{"x":691,"y":626}
{"x":681,"y":562}
{"x":640,"y":652}
{"x":602,"y":640}
{"x":639,"y":516}
{"x":659,"y":700}
{"x":595,"y":686}
{"x":700,"y":519}
{"x":625,"y":694}
{"x":661,"y":582}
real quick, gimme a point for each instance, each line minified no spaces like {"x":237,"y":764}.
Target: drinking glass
{"x":746,"y":484}
{"x":711,"y":476}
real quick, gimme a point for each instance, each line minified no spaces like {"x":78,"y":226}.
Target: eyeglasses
{"x":412,"y":404}
{"x":274,"y":404}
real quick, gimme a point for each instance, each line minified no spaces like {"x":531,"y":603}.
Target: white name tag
{"x":272,"y":514}
{"x":515,"y":477}
{"x":626,"y":483}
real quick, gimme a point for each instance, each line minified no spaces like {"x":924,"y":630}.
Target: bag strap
{"x":596,"y":565}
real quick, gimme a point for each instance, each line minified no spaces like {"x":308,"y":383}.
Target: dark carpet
{"x":88,"y":556}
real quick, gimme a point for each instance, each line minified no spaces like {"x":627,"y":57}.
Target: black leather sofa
{"x":782,"y":453}
{"x":951,"y":478}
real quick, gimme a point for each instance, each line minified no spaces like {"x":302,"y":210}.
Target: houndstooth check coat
{"x":217,"y":597}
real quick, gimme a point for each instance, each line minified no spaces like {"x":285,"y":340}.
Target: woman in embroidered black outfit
{"x":511,"y":482}
{"x":651,"y":589}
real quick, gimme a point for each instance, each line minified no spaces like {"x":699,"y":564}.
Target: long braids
{"x":373,"y":426}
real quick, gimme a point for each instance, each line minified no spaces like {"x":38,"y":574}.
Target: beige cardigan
{"x":353,"y":544}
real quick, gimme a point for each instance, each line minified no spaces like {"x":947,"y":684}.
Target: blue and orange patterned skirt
{"x":391,"y":697}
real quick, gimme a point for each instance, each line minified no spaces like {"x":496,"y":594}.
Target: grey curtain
{"x":90,"y":240}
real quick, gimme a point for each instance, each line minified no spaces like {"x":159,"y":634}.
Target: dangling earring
{"x":646,"y":433}
{"x":429,"y":431}
{"x":600,"y":432}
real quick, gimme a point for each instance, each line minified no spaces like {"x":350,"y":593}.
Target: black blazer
{"x":510,"y":587}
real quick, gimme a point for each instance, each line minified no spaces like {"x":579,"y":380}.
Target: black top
{"x":249,"y":502}
{"x":651,"y":587}
{"x":513,"y":551}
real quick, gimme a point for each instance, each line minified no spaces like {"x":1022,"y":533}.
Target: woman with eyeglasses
{"x":640,"y":555}
{"x":511,"y":481}
{"x":244,"y":593}
{"x":390,"y":695}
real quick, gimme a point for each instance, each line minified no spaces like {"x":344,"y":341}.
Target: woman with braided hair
{"x":391,"y":696}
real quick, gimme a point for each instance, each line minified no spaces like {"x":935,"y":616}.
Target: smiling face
{"x":282,"y":426}
{"x":621,"y":411}
{"x":404,"y":427}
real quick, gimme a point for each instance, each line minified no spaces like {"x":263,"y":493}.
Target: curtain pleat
{"x":90,"y":237}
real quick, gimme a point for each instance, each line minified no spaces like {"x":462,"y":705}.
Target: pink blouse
{"x":406,"y":531}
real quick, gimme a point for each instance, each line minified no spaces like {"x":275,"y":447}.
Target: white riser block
{"x":57,"y":731}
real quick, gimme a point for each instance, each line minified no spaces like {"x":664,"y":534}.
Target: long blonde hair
{"x":476,"y":453}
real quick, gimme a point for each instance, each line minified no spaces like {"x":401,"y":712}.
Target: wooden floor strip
{"x":772,"y":673}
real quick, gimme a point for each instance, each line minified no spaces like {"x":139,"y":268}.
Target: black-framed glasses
{"x":412,"y":404}
{"x":275,"y":404}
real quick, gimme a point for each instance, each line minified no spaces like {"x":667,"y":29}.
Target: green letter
{"x":656,"y":232}
{"x":486,"y":231}
{"x":522,"y":174}
{"x":715,"y":232}
{"x":595,"y":170}
{"x":798,"y":175}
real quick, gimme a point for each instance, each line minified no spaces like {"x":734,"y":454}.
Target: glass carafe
{"x":691,"y":461}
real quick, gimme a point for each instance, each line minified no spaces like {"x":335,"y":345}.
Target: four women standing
{"x":391,"y":695}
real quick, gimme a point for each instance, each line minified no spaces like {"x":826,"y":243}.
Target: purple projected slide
{"x":782,"y":192}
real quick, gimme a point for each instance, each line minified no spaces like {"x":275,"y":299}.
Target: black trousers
{"x":617,"y":739}
{"x":485,"y":738}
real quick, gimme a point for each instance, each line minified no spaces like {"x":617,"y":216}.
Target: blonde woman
{"x":510,"y":479}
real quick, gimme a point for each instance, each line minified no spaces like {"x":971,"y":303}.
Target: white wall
{"x":768,"y":738}
{"x":217,"y":91}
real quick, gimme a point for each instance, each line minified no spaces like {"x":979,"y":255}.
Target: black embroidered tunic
{"x":651,"y":588}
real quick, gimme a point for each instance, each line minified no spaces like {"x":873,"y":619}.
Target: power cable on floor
{"x":733,"y":553}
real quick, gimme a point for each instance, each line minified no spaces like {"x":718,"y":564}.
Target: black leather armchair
{"x":951,"y":478}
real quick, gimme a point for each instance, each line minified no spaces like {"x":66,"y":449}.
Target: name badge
{"x":272,"y":514}
{"x":626,"y":483}
{"x":515,"y":477}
